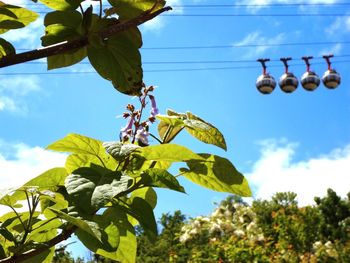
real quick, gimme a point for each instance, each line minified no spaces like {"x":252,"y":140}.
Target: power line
{"x":259,"y":5}
{"x":248,"y":15}
{"x":196,"y":61}
{"x":242,"y":5}
{"x":162,"y":70}
{"x":255,"y":15}
{"x":237,"y":45}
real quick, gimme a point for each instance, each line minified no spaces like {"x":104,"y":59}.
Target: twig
{"x":34,"y":252}
{"x":66,"y":46}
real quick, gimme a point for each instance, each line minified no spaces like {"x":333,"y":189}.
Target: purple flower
{"x":125,"y":131}
{"x":154,"y":109}
{"x":142,"y":136}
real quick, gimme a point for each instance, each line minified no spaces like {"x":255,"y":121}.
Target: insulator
{"x":331,"y":79}
{"x":310,"y":80}
{"x":265,"y":83}
{"x":288,"y":82}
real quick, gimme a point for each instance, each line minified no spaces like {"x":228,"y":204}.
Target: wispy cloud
{"x":276,"y":171}
{"x":334,"y":49}
{"x":256,"y":37}
{"x":340,"y":26}
{"x":14,"y":90}
{"x":157,"y":24}
{"x":19,"y":163}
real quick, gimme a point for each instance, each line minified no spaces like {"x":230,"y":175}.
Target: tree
{"x":106,"y":188}
{"x":238,"y":232}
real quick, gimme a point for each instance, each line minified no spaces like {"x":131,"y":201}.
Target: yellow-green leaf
{"x":218,"y":174}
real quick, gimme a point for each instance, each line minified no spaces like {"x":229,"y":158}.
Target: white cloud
{"x":13,"y":91}
{"x":158,"y":23}
{"x":334,"y":49}
{"x":276,"y":171}
{"x":19,"y":163}
{"x":340,"y":26}
{"x":28,"y":36}
{"x":257,"y":37}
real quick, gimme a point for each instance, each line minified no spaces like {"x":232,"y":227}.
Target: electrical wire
{"x":249,"y":15}
{"x":243,"y":5}
{"x":236,"y":45}
{"x":255,"y":15}
{"x":163,"y":70}
{"x":194,"y":61}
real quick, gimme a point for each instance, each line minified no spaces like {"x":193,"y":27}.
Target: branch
{"x":34,"y":252}
{"x":78,"y":43}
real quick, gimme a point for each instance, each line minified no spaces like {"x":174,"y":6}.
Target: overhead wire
{"x":197,"y":61}
{"x":164,"y":70}
{"x":237,"y":45}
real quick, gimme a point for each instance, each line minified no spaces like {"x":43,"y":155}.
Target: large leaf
{"x":89,"y":227}
{"x":44,"y":257}
{"x":146,"y":193}
{"x":128,"y":9}
{"x":167,"y":152}
{"x":118,"y":59}
{"x":66,"y":59}
{"x":142,"y":211}
{"x":204,"y":131}
{"x":169,"y":127}
{"x":63,"y":26}
{"x":109,"y":242}
{"x":120,"y":151}
{"x":91,"y":189}
{"x":45,"y":230}
{"x":161,"y":178}
{"x":62,"y":4}
{"x":126,"y":250}
{"x":13,"y":17}
{"x":218,"y":174}
{"x":76,"y":143}
{"x":6,"y":48}
{"x":49,"y":180}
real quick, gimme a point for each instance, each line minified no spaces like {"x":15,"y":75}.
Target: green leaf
{"x":13,"y":17}
{"x":169,"y":127}
{"x":161,"y":178}
{"x":61,"y":4}
{"x":120,"y":237}
{"x":146,"y":193}
{"x":167,"y":152}
{"x":44,"y":257}
{"x":204,"y":131}
{"x":118,"y":59}
{"x":87,"y":226}
{"x":141,"y":210}
{"x":127,"y":9}
{"x":218,"y":174}
{"x":58,"y":202}
{"x":92,"y":189}
{"x":66,"y":59}
{"x":120,"y":151}
{"x":109,"y":236}
{"x":6,"y":48}
{"x":5,"y":233}
{"x":76,"y":143}
{"x":76,"y":161}
{"x":45,"y":230}
{"x":61,"y":26}
{"x":49,"y":180}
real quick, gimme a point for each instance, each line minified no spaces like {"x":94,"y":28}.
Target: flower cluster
{"x":136,"y":129}
{"x":227,"y":220}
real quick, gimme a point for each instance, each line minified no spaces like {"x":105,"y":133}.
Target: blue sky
{"x":282,"y":142}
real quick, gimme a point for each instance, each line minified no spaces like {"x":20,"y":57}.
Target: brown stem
{"x":78,"y":43}
{"x":34,"y":252}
